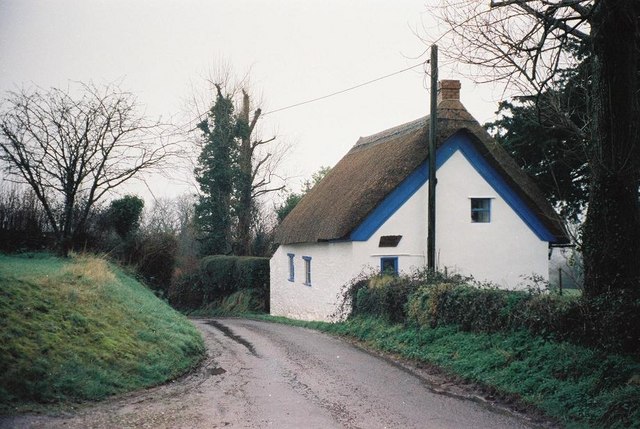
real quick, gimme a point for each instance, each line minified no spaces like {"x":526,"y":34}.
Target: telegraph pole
{"x":433,"y":118}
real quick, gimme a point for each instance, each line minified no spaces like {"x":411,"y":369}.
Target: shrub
{"x":488,"y":309}
{"x":611,"y":320}
{"x":185,"y":290}
{"x":423,"y":305}
{"x":154,"y":255}
{"x":384,"y":297}
{"x":218,"y":277}
{"x":23,"y":222}
{"x":124,"y":214}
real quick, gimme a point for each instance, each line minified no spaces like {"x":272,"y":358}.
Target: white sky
{"x":162,"y":51}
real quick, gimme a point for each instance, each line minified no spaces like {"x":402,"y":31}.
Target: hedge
{"x":490,"y":310}
{"x":610,"y":322}
{"x":218,"y":277}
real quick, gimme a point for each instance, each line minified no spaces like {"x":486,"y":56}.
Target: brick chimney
{"x":449,"y":90}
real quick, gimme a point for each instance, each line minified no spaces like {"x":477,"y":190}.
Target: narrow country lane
{"x":266,"y":375}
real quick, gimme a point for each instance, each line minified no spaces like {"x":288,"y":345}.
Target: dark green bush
{"x":386,"y":296}
{"x":185,"y":290}
{"x":243,"y":301}
{"x":612,"y":320}
{"x":218,"y":277}
{"x":124,"y":214}
{"x":252,"y":272}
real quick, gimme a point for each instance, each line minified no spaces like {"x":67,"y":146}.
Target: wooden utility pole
{"x":433,"y":118}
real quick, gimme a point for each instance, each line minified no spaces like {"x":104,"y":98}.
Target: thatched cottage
{"x":371,"y":211}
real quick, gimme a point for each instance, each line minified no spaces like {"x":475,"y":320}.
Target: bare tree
{"x":522,"y":42}
{"x":72,"y":150}
{"x":527,"y":41}
{"x":256,"y":174}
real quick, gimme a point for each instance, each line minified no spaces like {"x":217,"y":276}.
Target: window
{"x":291,"y":267}
{"x":480,"y":210}
{"x":389,"y":265}
{"x":307,"y":270}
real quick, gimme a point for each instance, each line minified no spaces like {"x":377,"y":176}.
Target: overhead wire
{"x":189,"y":126}
{"x":343,"y":90}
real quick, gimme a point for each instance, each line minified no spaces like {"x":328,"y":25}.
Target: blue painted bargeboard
{"x":413,"y":182}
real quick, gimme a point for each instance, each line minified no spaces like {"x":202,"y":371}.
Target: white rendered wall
{"x":331,"y":267}
{"x":409,"y":221}
{"x":502,"y":251}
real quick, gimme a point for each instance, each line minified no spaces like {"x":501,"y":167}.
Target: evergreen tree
{"x":292,"y":199}
{"x":548,"y":136}
{"x":124,"y":215}
{"x":215,"y":175}
{"x":232,"y":174}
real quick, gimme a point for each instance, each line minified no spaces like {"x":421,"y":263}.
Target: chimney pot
{"x":449,"y":90}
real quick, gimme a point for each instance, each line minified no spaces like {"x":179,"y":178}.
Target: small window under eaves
{"x":480,"y":210}
{"x":389,"y":240}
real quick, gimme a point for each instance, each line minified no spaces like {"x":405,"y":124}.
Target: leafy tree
{"x":528,"y":42}
{"x":73,"y":150}
{"x":124,"y":215}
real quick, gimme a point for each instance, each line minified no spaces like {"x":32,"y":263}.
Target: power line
{"x":342,"y":91}
{"x":187,"y":127}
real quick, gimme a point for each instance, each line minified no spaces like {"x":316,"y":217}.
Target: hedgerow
{"x":432,"y":300}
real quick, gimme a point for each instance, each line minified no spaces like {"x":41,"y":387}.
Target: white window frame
{"x":481,"y":211}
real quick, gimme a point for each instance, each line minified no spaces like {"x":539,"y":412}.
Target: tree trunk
{"x":245,"y":200}
{"x":612,"y":227}
{"x":611,"y":235}
{"x":66,"y":237}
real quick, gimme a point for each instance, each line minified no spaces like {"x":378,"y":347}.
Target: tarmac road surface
{"x":267,"y":375}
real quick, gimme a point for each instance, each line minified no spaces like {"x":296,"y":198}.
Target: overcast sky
{"x":163,"y":50}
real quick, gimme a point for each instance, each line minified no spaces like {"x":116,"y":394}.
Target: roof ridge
{"x":385,"y":135}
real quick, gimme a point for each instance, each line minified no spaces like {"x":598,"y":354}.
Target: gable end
{"x":407,"y":188}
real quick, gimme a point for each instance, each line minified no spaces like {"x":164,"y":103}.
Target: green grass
{"x":577,"y":386}
{"x":80,"y":329}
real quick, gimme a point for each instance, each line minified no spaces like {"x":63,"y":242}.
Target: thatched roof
{"x":360,"y":180}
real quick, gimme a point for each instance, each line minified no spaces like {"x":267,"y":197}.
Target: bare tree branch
{"x":72,"y":151}
{"x":522,"y":42}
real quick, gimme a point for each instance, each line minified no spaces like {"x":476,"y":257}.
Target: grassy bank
{"x":81,"y":329}
{"x":577,"y":386}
